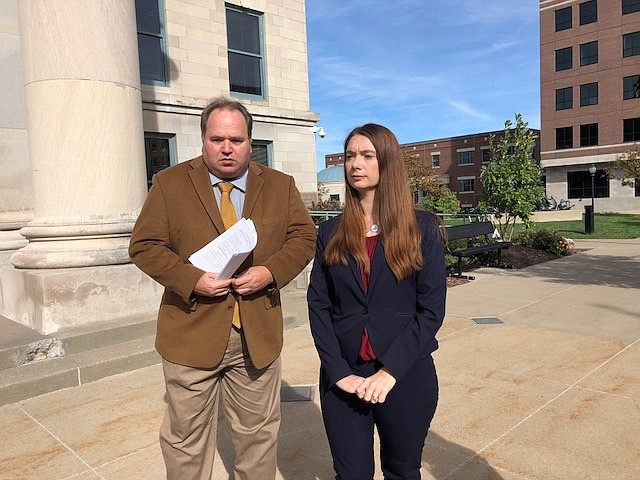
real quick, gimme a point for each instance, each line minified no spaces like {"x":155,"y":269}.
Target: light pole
{"x":589,"y":209}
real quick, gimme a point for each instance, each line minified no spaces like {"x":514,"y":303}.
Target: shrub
{"x":441,"y":201}
{"x":543,"y":239}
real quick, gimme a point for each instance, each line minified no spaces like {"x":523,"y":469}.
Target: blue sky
{"x":426,"y":69}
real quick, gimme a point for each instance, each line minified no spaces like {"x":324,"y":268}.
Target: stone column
{"x":84,"y":119}
{"x":86,"y":141}
{"x":16,"y":195}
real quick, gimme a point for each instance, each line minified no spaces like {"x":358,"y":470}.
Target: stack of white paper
{"x":226,"y":253}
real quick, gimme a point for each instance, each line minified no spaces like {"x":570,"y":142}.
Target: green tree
{"x":511,"y":180}
{"x":626,"y":167}
{"x":442,"y":201}
{"x":422,"y":177}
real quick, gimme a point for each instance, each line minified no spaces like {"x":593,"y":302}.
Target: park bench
{"x":482,"y":230}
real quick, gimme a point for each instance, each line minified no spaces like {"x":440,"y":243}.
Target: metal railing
{"x":319,"y":216}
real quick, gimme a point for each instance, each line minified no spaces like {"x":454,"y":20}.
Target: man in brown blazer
{"x":203,"y":354}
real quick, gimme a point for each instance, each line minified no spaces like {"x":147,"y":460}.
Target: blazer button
{"x":365,"y":310}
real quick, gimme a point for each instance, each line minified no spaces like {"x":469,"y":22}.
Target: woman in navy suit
{"x":376,"y":300}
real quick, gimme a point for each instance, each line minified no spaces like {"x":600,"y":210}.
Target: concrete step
{"x":32,"y":364}
{"x":23,"y":346}
{"x":33,"y":379}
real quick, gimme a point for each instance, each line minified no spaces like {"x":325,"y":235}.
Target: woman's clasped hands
{"x":373,"y":389}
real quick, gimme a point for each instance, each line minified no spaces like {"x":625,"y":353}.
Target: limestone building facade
{"x":97,"y":95}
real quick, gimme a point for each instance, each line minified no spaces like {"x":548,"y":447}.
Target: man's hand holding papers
{"x":225,"y":253}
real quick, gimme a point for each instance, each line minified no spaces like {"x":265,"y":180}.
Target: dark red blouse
{"x":366,"y":352}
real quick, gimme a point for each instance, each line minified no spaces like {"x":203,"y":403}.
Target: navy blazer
{"x":402,"y":318}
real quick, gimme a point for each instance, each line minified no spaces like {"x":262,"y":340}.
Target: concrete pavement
{"x":543,"y":384}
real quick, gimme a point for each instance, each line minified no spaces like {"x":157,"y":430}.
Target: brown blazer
{"x":180,"y":216}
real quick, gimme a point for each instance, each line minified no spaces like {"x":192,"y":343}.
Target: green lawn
{"x":606,"y":225}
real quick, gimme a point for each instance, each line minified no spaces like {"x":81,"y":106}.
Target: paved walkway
{"x":552,"y":392}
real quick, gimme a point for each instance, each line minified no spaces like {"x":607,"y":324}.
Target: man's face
{"x":226,"y":147}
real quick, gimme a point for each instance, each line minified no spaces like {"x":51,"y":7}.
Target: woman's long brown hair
{"x":393,"y":204}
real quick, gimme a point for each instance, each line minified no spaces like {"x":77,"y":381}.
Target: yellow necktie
{"x":229,"y":217}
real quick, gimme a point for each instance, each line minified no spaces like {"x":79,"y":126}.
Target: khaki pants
{"x":251,"y":400}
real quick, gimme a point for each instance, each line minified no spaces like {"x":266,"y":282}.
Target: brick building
{"x":457,"y":161}
{"x":590,"y":97}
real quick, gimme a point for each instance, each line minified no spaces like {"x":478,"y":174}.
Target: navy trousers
{"x":402,"y":422}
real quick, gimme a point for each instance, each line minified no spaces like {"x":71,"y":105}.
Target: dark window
{"x":335,"y":197}
{"x":564,"y":98}
{"x":245,"y":51}
{"x":261,"y":152}
{"x":631,"y":44}
{"x":631,"y":87}
{"x":579,"y":184}
{"x":159,"y":149}
{"x":630,"y":6}
{"x":435,"y":160}
{"x":564,"y":138}
{"x":588,"y":53}
{"x":637,"y":186}
{"x":465,"y":158}
{"x":563,"y":19}
{"x":151,"y":42}
{"x":588,"y":12}
{"x":631,"y":129}
{"x":564,"y":60}
{"x":486,"y":155}
{"x":589,"y":94}
{"x":467,"y":185}
{"x":589,"y":135}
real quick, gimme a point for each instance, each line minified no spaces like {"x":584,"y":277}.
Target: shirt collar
{"x":240,"y":183}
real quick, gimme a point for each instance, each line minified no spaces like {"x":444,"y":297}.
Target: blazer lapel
{"x":357,"y":273}
{"x":254,"y":188}
{"x":202,"y":184}
{"x":377,"y":264}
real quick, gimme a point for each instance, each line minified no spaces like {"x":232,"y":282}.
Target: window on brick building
{"x":631,"y":129}
{"x":631,"y":87}
{"x":564,"y":98}
{"x":563,"y":19}
{"x":579,"y":184}
{"x":589,"y":94}
{"x":486,"y":155}
{"x":588,"y":53}
{"x":467,"y":185}
{"x":152,"y":56}
{"x":588,"y":12}
{"x":465,"y":157}
{"x":245,"y":52}
{"x":631,"y":44}
{"x":435,"y":160}
{"x":589,"y":135}
{"x":564,"y":59}
{"x":564,"y":138}
{"x":630,"y":6}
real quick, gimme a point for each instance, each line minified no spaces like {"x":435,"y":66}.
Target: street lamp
{"x":589,"y":209}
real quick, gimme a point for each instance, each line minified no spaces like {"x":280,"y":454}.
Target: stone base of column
{"x":52,"y":300}
{"x":11,"y":240}
{"x":74,"y":245}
